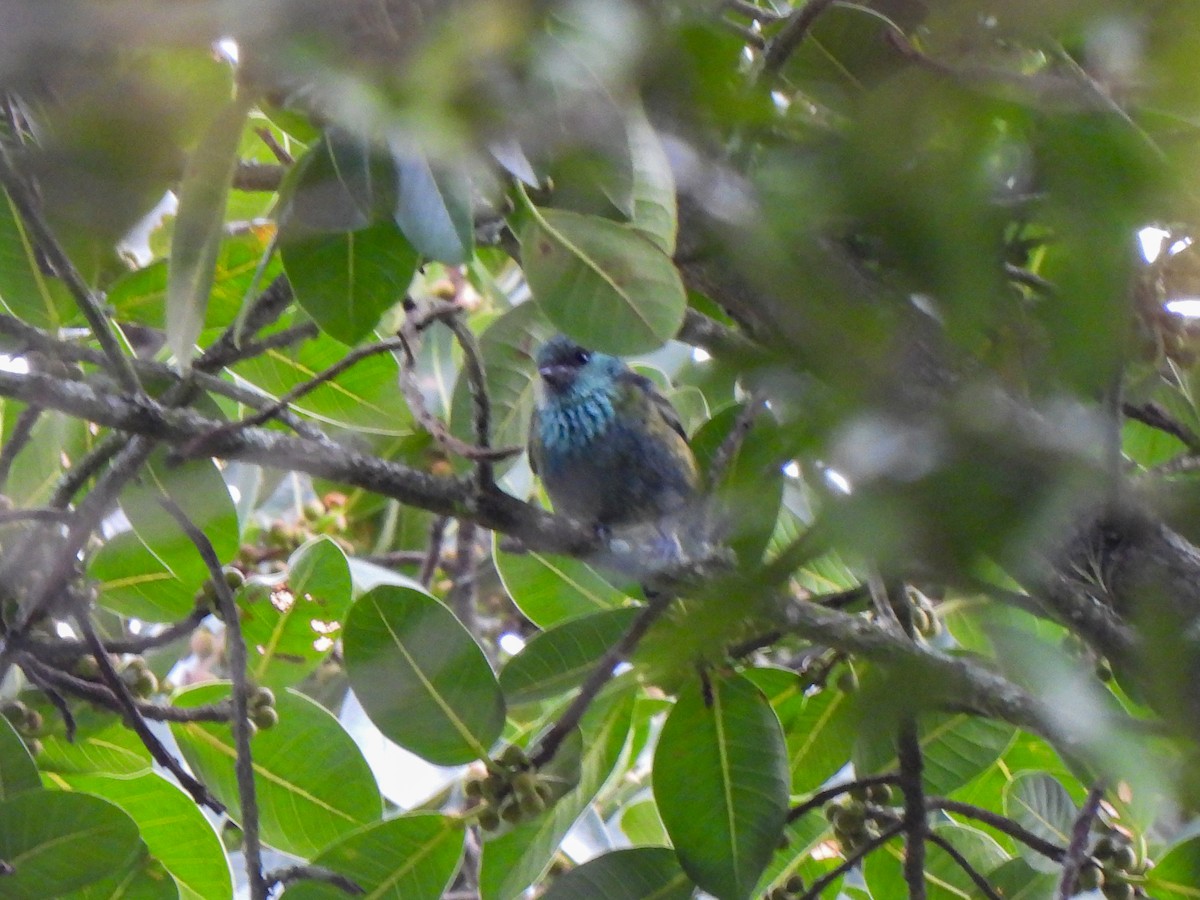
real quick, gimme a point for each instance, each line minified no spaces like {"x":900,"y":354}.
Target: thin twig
{"x":963,"y":863}
{"x":96,"y":693}
{"x":34,"y":514}
{"x":66,"y":650}
{"x":1077,"y":849}
{"x":1156,"y":417}
{"x":461,"y":598}
{"x":750,"y":11}
{"x":21,"y":433}
{"x":482,"y":418}
{"x":292,"y":874}
{"x":433,"y":554}
{"x":56,"y":699}
{"x":791,"y":35}
{"x":235,"y":646}
{"x":199,"y":445}
{"x":135,"y":720}
{"x":598,"y":677}
{"x":426,"y":419}
{"x":252,"y":176}
{"x":853,"y":859}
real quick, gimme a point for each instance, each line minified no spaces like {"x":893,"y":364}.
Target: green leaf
{"x":57,"y":441}
{"x":639,"y":873}
{"x":365,"y":397}
{"x":406,"y":858}
{"x":549,"y":589}
{"x":291,"y":626}
{"x":721,"y":782}
{"x":558,"y":660}
{"x":347,"y":280}
{"x":141,"y":295}
{"x":819,"y":727}
{"x":1040,"y":804}
{"x":197,"y":488}
{"x":146,"y":879}
{"x":517,"y":858}
{"x":1177,"y":874}
{"x":102,"y":744}
{"x":199,"y":225}
{"x":421,"y":677}
{"x":58,"y":842}
{"x":25,"y":292}
{"x":433,"y":206}
{"x":313,"y":785}
{"x":341,"y":184}
{"x":17,"y":770}
{"x":957,"y":747}
{"x":173,"y":827}
{"x":602,"y":283}
{"x":1017,"y":880}
{"x":944,"y":878}
{"x":654,"y":212}
{"x":132,"y":581}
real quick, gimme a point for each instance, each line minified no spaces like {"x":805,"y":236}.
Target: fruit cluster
{"x":512,"y":791}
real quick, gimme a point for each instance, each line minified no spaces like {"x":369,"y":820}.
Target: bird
{"x":609,"y":448}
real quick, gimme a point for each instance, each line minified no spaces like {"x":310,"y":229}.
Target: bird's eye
{"x":582,"y":357}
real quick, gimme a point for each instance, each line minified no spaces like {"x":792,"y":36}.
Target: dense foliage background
{"x":283,"y":608}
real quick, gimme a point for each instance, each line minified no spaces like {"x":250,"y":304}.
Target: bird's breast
{"x":571,"y":429}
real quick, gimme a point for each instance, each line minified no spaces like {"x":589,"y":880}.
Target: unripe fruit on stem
{"x":489,"y":820}
{"x":260,"y":697}
{"x":264,"y":716}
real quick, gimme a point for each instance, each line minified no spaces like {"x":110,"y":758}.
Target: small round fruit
{"x":261,"y":697}
{"x":489,"y":819}
{"x":264,"y":717}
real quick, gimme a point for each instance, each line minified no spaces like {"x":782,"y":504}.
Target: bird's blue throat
{"x":569,"y":424}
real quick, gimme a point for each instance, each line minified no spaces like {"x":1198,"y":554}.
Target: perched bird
{"x":609,"y":448}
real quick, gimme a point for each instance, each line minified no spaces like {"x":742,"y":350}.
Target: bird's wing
{"x":657,"y":400}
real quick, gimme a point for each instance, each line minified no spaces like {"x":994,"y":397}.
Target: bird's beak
{"x":557,"y":376}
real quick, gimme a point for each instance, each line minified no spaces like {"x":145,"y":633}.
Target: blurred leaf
{"x":638,"y":873}
{"x":347,"y":280}
{"x":433,"y":206}
{"x":57,"y":441}
{"x":1042,"y":806}
{"x":294,"y":626}
{"x":25,"y":291}
{"x":313,"y":785}
{"x":603,"y":284}
{"x":641,"y":823}
{"x":1177,"y":874}
{"x":944,"y":878}
{"x":653,"y":185}
{"x":421,"y":676}
{"x":17,"y":770}
{"x":558,"y":660}
{"x":199,"y":224}
{"x":549,"y":590}
{"x":517,"y":858}
{"x":57,"y":842}
{"x":132,"y":581}
{"x":721,"y":782}
{"x":197,"y":488}
{"x":173,"y":827}
{"x":141,"y":295}
{"x":410,"y":857}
